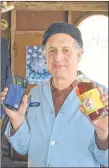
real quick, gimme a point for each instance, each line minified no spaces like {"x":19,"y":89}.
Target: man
{"x":54,"y":132}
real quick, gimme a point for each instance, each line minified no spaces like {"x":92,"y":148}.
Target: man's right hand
{"x":16,"y":117}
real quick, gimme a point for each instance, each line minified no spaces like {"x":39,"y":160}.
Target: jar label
{"x":91,"y":101}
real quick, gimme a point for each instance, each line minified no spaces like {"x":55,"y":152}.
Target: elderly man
{"x":51,"y":129}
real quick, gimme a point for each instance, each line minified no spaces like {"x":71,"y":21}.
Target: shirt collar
{"x":73,"y":84}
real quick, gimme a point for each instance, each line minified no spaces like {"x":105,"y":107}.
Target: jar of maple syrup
{"x":90,"y":98}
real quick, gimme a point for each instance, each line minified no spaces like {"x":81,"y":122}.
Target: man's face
{"x":62,"y":56}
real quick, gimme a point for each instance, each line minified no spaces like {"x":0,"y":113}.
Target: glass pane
{"x":94,"y":61}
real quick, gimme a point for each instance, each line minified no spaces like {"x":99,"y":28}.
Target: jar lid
{"x":81,"y":78}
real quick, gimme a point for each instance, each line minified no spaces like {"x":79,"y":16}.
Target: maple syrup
{"x":90,"y":98}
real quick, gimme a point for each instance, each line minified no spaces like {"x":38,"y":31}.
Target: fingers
{"x":100,"y":90}
{"x":104,"y":97}
{"x":3,"y":94}
{"x":105,"y":100}
{"x":5,"y":89}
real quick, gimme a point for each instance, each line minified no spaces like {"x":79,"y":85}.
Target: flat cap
{"x":63,"y":27}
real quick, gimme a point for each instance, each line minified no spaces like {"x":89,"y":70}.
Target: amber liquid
{"x":84,"y":87}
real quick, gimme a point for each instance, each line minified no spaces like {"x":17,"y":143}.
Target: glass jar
{"x":90,"y":98}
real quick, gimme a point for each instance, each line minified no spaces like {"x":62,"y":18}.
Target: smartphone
{"x":15,"y":93}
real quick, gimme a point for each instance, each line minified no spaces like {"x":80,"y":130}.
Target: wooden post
{"x":70,"y":17}
{"x":13,"y":31}
{"x":63,"y":6}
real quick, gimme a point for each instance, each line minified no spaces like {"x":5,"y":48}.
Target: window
{"x":94,"y":61}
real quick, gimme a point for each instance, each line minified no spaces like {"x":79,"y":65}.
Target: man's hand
{"x":16,"y":117}
{"x":101,"y":125}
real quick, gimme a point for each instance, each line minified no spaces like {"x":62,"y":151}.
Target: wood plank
{"x":23,"y":40}
{"x":70,"y":17}
{"x":38,"y":20}
{"x":13,"y":30}
{"x":64,"y":6}
{"x":29,"y":32}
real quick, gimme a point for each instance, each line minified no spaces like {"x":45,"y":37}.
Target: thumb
{"x":23,"y":106}
{"x":82,"y":109}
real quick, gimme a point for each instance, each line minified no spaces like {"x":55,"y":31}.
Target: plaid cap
{"x":63,"y":27}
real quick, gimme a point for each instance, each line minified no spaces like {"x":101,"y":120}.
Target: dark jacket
{"x":5,"y":66}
